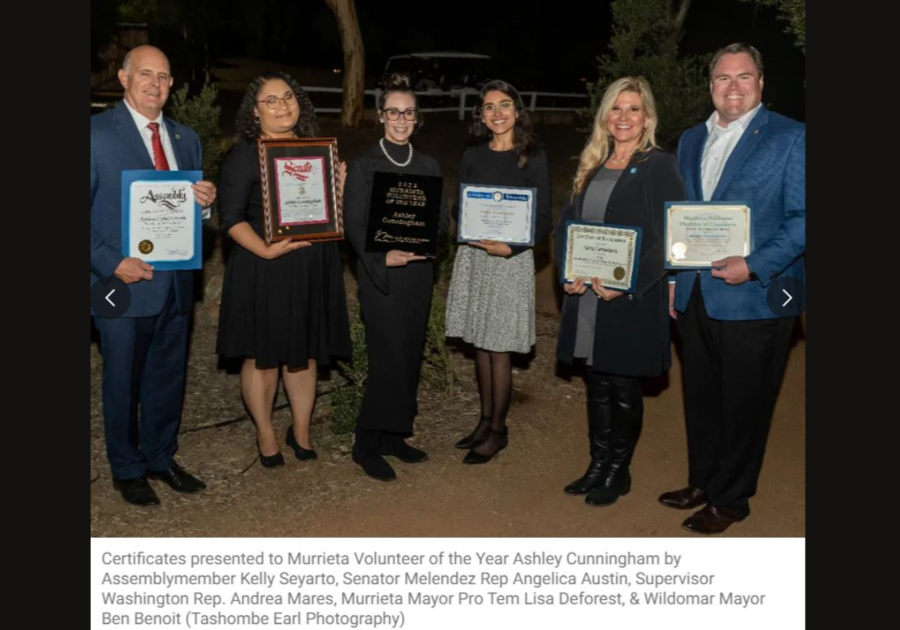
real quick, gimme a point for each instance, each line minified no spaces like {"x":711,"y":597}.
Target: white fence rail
{"x":460,"y":107}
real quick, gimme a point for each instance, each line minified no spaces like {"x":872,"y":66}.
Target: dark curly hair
{"x":525,"y":142}
{"x":247,"y":125}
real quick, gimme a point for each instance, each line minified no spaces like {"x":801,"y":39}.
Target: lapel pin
{"x":756,"y":131}
{"x":178,"y":136}
{"x":633,"y":170}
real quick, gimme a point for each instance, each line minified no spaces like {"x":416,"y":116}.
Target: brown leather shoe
{"x":710,"y":520}
{"x":684,"y":499}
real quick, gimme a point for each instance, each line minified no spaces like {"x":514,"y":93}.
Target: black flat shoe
{"x":474,"y":457}
{"x":271,"y":461}
{"x":303,"y":454}
{"x":477,"y":436}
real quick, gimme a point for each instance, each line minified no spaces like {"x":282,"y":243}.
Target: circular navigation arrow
{"x":785,"y":296}
{"x":110,"y":298}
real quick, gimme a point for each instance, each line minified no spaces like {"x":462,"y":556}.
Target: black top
{"x":483,"y":166}
{"x":395,"y":301}
{"x":283,"y":311}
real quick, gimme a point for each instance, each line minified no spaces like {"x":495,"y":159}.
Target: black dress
{"x":283,"y":311}
{"x":395,"y":301}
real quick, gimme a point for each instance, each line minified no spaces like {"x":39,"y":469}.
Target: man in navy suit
{"x":735,"y":345}
{"x":145,"y":349}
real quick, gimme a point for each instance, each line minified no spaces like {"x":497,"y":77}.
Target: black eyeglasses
{"x":393,"y":113}
{"x":272,"y":101}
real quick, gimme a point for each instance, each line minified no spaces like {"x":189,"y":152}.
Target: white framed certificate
{"x":161,"y":222}
{"x":699,"y":233}
{"x":497,"y":213}
{"x":598,"y":250}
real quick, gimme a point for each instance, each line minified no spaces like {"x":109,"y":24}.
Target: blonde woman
{"x":623,"y":178}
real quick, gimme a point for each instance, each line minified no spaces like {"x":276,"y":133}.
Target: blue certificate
{"x":497,"y":213}
{"x":161,"y":219}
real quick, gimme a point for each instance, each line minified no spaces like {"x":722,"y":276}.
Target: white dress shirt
{"x":719,"y":145}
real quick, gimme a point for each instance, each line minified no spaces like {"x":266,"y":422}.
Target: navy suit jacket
{"x":116,"y":146}
{"x":767,"y":169}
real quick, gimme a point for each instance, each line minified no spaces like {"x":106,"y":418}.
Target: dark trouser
{"x":615,"y":407}
{"x":732,"y":373}
{"x":144,"y":360}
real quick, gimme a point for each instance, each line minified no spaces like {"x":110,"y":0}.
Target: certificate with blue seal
{"x":497,"y":213}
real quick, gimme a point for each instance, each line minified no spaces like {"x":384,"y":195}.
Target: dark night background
{"x":535,"y":44}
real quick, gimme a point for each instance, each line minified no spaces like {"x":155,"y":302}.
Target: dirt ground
{"x":519,"y":493}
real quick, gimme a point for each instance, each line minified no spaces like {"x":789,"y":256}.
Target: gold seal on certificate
{"x":145,"y":246}
{"x":699,"y":233}
{"x":597,"y":250}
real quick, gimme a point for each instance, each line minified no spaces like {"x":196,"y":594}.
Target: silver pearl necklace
{"x":392,"y":160}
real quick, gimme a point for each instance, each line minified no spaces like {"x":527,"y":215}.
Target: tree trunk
{"x":354,"y":61}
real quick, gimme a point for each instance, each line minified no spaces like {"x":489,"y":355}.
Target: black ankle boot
{"x":477,"y":436}
{"x":368,"y":452}
{"x":616,"y":484}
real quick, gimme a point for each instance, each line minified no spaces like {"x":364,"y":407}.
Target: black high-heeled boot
{"x":627,"y":421}
{"x":599,"y":415}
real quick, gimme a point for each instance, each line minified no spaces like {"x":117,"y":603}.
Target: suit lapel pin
{"x":756,"y":131}
{"x":178,"y":136}
{"x":633,"y":170}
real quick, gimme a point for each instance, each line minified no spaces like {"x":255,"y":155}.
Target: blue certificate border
{"x":637,"y":251}
{"x":720,"y":202}
{"x":534,"y":193}
{"x":128,"y":178}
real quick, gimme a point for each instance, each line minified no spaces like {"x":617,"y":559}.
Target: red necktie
{"x":159,"y":156}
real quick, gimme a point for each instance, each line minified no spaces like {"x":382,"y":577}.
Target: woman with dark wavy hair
{"x":491,"y":298}
{"x":394,"y":291}
{"x":283,"y":305}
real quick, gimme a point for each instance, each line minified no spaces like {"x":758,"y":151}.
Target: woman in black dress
{"x":283,"y":305}
{"x":394,"y":292}
{"x":622,"y":178}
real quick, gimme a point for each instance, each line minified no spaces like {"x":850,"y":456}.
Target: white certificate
{"x":162,"y":220}
{"x":301,"y":191}
{"x":607,"y":252}
{"x":697,"y":234}
{"x":497,"y":213}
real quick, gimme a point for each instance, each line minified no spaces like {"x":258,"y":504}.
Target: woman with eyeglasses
{"x":283,"y":305}
{"x":491,"y":297}
{"x":394,"y":292}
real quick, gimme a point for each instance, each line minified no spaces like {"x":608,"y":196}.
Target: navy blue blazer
{"x":116,"y":145}
{"x":767,"y":169}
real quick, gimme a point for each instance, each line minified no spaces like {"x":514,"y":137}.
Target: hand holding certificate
{"x":161,"y":222}
{"x":608,"y":252}
{"x":699,"y":233}
{"x":497,"y":213}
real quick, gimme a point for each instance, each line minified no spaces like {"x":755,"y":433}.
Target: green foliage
{"x":437,"y":370}
{"x":346,"y":399}
{"x":645,"y":43}
{"x":446,"y":256}
{"x":794,"y":13}
{"x":201,"y":114}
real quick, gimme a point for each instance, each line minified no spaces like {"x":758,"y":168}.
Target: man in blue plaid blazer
{"x":735,"y":345}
